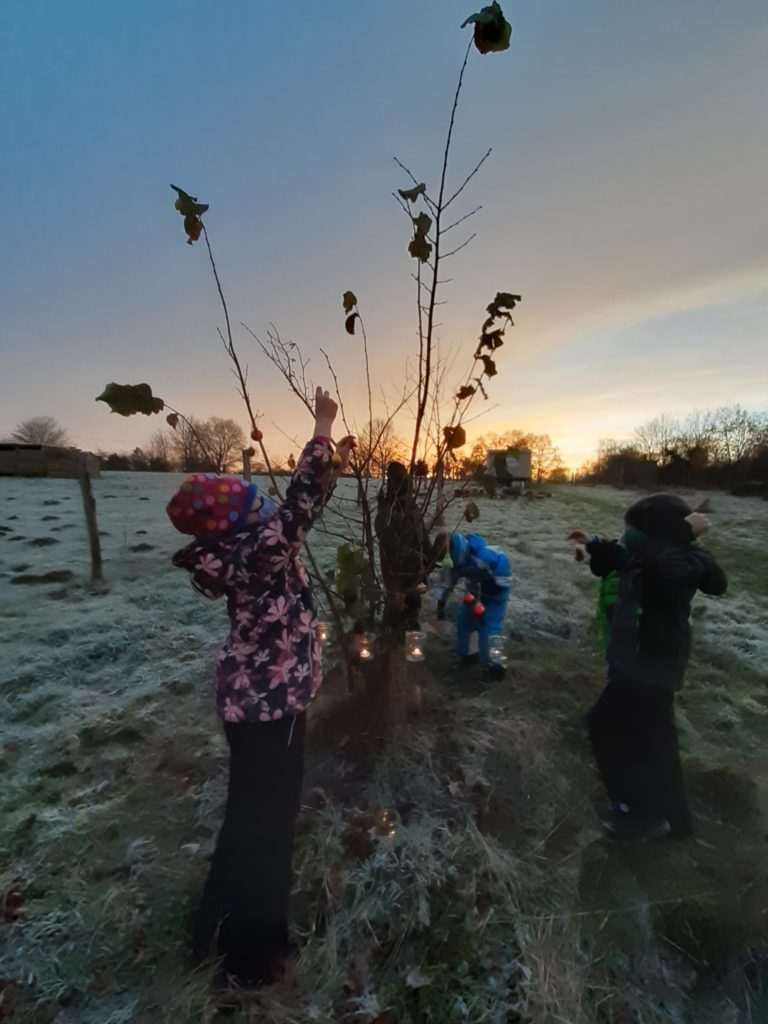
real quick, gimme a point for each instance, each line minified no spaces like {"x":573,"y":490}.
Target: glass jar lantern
{"x":496,"y":653}
{"x":323,"y":632}
{"x":414,"y":645}
{"x":363,"y":646}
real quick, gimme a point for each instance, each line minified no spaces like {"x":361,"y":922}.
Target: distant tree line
{"x":198,"y":446}
{"x":181,"y":450}
{"x":725,"y":448}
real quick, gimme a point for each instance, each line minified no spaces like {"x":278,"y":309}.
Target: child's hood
{"x":476,"y":548}
{"x":209,"y":562}
{"x":491,"y":558}
{"x":464,"y":549}
{"x":661,"y":517}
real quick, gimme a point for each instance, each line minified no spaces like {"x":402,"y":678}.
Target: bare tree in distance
{"x":226,"y":441}
{"x":546,"y":460}
{"x":725,"y":435}
{"x":378,"y":444}
{"x":186,"y":446}
{"x":160,"y":448}
{"x":736,"y":431}
{"x":657,"y":437}
{"x":212,"y":446}
{"x":40,"y":430}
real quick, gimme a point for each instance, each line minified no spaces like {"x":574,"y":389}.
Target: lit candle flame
{"x":414,"y":645}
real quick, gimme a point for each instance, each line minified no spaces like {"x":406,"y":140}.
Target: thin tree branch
{"x":246,"y":397}
{"x":230,"y":346}
{"x":278,"y":355}
{"x":415,"y":181}
{"x":436,"y":263}
{"x":403,"y":205}
{"x":462,"y":219}
{"x":362,"y":486}
{"x":460,"y":247}
{"x":468,"y":178}
{"x":294,"y":440}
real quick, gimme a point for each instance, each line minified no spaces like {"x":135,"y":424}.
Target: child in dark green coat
{"x":660,"y":567}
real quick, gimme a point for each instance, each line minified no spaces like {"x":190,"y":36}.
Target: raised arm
{"x":308,"y":492}
{"x":682,"y":564}
{"x":313,"y":479}
{"x":687,"y":568}
{"x":713,"y":580}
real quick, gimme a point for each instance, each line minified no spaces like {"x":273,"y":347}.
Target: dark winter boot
{"x":468,"y":660}
{"x":493,"y":673}
{"x":625,"y":827}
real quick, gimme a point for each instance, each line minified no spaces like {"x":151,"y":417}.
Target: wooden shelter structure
{"x":509,"y":465}
{"x":46,"y":460}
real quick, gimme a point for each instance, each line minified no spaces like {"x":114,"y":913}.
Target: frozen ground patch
{"x":111,"y":754}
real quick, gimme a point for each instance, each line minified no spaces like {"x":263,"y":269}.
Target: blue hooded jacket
{"x":486,"y":568}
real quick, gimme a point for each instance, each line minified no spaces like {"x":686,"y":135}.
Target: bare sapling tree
{"x":386,"y":554}
{"x":379,"y":579}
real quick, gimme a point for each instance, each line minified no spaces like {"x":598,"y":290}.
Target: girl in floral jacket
{"x":247,"y":550}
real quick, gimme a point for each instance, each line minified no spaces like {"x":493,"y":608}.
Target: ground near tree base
{"x":454,"y":874}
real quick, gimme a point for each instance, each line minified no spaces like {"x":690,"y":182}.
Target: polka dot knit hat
{"x":207,"y":504}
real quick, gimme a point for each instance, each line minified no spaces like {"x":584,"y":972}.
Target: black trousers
{"x":634,"y":739}
{"x":243,"y":915}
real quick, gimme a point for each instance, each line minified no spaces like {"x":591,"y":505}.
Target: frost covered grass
{"x":457,"y":880}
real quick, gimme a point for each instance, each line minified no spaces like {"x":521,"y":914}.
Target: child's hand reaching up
{"x":344,"y":450}
{"x":325,"y":413}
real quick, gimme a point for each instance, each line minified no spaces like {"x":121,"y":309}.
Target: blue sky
{"x":625,"y":200}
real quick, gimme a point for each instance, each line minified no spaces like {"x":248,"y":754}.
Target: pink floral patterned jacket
{"x":270,"y":663}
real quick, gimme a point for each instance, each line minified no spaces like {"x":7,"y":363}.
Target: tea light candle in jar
{"x":496,"y":654}
{"x":323,"y":633}
{"x":414,"y":645}
{"x":364,"y":646}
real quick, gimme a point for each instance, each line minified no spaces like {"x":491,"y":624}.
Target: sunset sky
{"x":625,"y":200}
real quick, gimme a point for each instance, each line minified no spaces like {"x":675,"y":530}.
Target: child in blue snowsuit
{"x":487,"y":572}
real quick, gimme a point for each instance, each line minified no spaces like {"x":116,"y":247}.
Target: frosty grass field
{"x":113,"y":774}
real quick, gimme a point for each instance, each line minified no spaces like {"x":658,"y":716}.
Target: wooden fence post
{"x":89,"y":506}
{"x":246,"y":465}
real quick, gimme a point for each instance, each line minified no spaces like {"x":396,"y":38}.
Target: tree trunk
{"x":391,"y":696}
{"x":403,"y":554}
